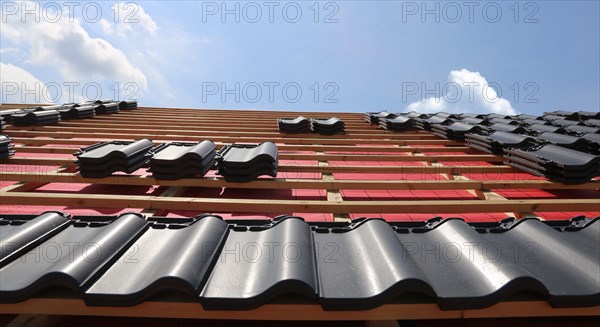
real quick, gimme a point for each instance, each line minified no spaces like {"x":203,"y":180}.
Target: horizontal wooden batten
{"x":184,"y":136}
{"x":124,"y":123}
{"x":413,"y":144}
{"x":284,"y":147}
{"x":208,"y":132}
{"x":292,"y":183}
{"x":330,"y":157}
{"x":289,"y":206}
{"x":293,"y":167}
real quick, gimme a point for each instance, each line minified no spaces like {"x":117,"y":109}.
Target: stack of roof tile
{"x":592,"y":122}
{"x":329,"y":126}
{"x":374,"y":118}
{"x":106,"y":108}
{"x":397,"y":124}
{"x":31,"y":117}
{"x":440,"y":118}
{"x":537,"y":129}
{"x":579,"y":129}
{"x":474,"y":120}
{"x":7,"y":114}
{"x":567,"y":141}
{"x":244,"y":163}
{"x":455,"y":131}
{"x":496,"y":142}
{"x":414,"y":114}
{"x":104,"y":158}
{"x":298,"y":125}
{"x":76,"y":112}
{"x":179,"y":160}
{"x":512,"y":128}
{"x":587,"y":115}
{"x":128,"y":105}
{"x":555,"y":162}
{"x":6,"y":148}
{"x":593,"y":140}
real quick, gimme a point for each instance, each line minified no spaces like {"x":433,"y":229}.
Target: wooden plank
{"x":293,"y":167}
{"x":313,"y":157}
{"x":290,"y":206}
{"x":291,"y":183}
{"x":197,"y":131}
{"x":131,"y":123}
{"x":301,"y":147}
{"x":185,"y":136}
{"x":169,"y":192}
{"x":192,"y":310}
{"x":352,"y":157}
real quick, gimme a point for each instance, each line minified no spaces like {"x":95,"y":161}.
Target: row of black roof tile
{"x":582,"y":122}
{"x":6,"y":147}
{"x":179,"y":160}
{"x":236,"y":163}
{"x":49,"y":115}
{"x":242,"y":265}
{"x":553,"y":140}
{"x":302,"y":125}
{"x":555,"y":162}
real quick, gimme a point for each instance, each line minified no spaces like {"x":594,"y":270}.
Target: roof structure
{"x":410,"y":178}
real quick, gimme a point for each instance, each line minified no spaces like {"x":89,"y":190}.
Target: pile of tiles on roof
{"x":104,"y":158}
{"x":48,"y":115}
{"x":375,"y":118}
{"x":575,"y":134}
{"x":35,"y":117}
{"x":179,"y":160}
{"x":6,"y":148}
{"x":209,"y":269}
{"x":171,"y":161}
{"x":555,"y":162}
{"x":298,"y":125}
{"x":329,"y":126}
{"x":244,"y":163}
{"x":302,"y":125}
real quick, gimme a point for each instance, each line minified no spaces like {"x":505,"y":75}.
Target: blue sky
{"x":353,"y":56}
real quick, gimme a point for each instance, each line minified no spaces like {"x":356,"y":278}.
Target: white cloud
{"x":126,"y":16}
{"x":68,"y":46}
{"x":466,"y":91}
{"x":20,"y":86}
{"x":8,"y":50}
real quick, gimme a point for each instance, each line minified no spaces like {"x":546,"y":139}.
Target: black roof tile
{"x":546,"y":128}
{"x":6,"y":148}
{"x":559,"y":156}
{"x":592,"y":122}
{"x":365,"y":267}
{"x":128,"y":105}
{"x":355,"y":266}
{"x":506,"y":128}
{"x":583,"y":129}
{"x":103,"y":151}
{"x":329,"y":126}
{"x":247,"y":274}
{"x":178,"y":160}
{"x":80,"y":254}
{"x":104,"y":158}
{"x":16,"y":235}
{"x":177,"y":259}
{"x":244,"y":163}
{"x":27,"y":118}
{"x":298,"y":125}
